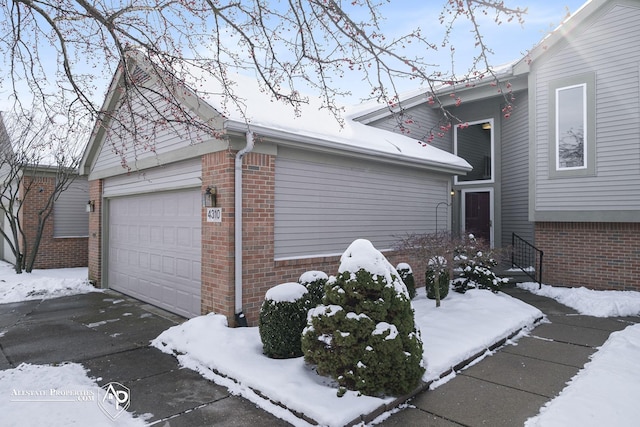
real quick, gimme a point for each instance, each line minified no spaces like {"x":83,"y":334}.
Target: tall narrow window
{"x":572,"y":126}
{"x":474,"y":143}
{"x":571,"y":119}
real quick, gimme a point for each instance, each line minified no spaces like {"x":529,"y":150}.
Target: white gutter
{"x":240,"y":319}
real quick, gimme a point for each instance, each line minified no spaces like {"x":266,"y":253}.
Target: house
{"x":209,"y":222}
{"x":563,"y":170}
{"x":25,"y":190}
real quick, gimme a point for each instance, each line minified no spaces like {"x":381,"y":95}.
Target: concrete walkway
{"x":109,"y":334}
{"x":509,"y":387}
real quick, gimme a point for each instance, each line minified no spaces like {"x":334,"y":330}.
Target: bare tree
{"x":30,"y":152}
{"x":289,"y":45}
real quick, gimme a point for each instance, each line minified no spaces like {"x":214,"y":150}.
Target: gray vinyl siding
{"x":70,"y":217}
{"x":185,"y":174}
{"x":322,"y":205}
{"x":420,"y":121}
{"x":515,"y":173}
{"x":165,"y":138}
{"x":607,"y":47}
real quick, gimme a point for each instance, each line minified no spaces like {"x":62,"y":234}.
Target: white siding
{"x":321,"y":206}
{"x":609,"y":48}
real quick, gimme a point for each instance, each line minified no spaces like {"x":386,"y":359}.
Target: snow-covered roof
{"x":315,"y":125}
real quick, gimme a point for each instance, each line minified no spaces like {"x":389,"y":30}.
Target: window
{"x":474,"y":143}
{"x":572,"y":127}
{"x":571,"y":117}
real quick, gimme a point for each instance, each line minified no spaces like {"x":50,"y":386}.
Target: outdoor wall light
{"x":453,"y":193}
{"x":91,"y":206}
{"x":209,"y":197}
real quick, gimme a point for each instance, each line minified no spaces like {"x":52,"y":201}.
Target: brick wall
{"x":595,"y":255}
{"x":95,"y":233}
{"x":52,"y":252}
{"x":217,"y":292}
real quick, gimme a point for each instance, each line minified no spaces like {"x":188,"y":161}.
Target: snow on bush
{"x":406,"y":274}
{"x":476,"y":262}
{"x":283,"y":316}
{"x":437,"y":266}
{"x":364,"y":336}
{"x":314,"y":281}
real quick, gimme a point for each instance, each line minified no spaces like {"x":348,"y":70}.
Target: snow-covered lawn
{"x":42,"y":284}
{"x":603,"y":393}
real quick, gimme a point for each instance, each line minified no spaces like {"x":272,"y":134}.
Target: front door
{"x":477,"y":215}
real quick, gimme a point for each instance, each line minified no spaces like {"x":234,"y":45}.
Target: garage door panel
{"x":154,"y":249}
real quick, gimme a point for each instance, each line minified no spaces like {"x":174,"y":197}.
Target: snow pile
{"x":42,"y":284}
{"x":605,"y":392}
{"x":591,"y":302}
{"x":463,"y":326}
{"x":42,"y":395}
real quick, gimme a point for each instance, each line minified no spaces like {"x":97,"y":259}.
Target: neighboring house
{"x":65,"y":237}
{"x":563,"y":170}
{"x":307,"y":189}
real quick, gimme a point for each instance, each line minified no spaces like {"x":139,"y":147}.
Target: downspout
{"x":241,"y":320}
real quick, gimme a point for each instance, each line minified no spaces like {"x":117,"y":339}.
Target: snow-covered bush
{"x":437,"y":266}
{"x":475,"y":261}
{"x":406,"y":274}
{"x":283,"y":316}
{"x":364,"y":336}
{"x":314,"y":281}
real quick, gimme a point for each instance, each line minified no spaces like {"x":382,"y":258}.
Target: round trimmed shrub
{"x":283,"y":316}
{"x":314,"y":281}
{"x":364,"y":335}
{"x":406,"y":274}
{"x":434,"y":265}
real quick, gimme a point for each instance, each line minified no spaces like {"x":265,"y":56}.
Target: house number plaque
{"x":214,"y":214}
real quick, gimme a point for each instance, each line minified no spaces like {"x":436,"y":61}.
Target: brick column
{"x":217,"y":292}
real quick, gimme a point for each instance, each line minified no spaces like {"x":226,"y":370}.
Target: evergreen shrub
{"x":406,"y":274}
{"x":314,"y":281}
{"x":434,"y":265}
{"x":283,"y":316}
{"x":364,"y":335}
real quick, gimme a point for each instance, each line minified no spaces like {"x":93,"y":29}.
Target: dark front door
{"x":477,"y":214}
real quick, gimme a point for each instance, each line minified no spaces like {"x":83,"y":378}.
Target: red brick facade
{"x":595,"y":255}
{"x":54,"y":252}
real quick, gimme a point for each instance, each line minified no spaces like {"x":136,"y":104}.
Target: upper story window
{"x":572,"y":148}
{"x":571,"y":118}
{"x":474,"y":142}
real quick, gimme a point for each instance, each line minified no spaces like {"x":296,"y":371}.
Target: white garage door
{"x":154,"y":249}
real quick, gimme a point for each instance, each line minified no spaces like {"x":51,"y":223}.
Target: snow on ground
{"x":63,"y":395}
{"x":42,"y":284}
{"x":590,"y":302}
{"x":603,"y":393}
{"x":463,"y":326}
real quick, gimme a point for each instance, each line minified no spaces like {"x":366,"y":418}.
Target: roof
{"x":313,"y":127}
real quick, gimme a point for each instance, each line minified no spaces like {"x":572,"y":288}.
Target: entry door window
{"x":477,"y":214}
{"x":474,"y":143}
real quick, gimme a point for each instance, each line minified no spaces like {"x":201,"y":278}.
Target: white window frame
{"x":492,"y":180}
{"x":585,"y":139}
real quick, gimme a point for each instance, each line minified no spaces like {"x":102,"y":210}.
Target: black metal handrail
{"x":525,"y":256}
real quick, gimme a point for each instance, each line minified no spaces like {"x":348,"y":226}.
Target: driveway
{"x":109,"y":334}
